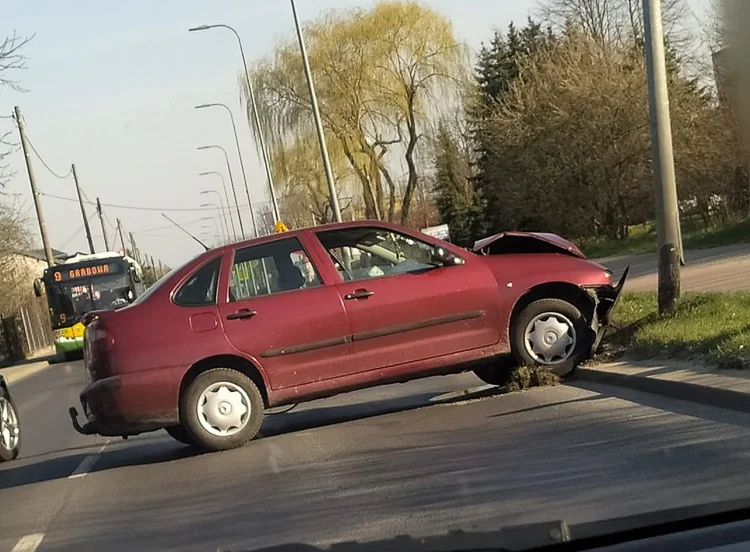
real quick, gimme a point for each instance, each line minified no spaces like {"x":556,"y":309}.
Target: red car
{"x":310,"y":313}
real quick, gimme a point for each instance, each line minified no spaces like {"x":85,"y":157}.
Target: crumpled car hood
{"x":507,"y":243}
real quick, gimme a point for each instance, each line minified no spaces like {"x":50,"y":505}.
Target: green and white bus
{"x":84,"y":283}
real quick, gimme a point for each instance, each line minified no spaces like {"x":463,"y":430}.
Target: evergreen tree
{"x":455,"y":196}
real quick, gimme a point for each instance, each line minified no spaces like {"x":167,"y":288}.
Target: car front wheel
{"x":10,"y":431}
{"x":551,"y":333}
{"x":221,"y":409}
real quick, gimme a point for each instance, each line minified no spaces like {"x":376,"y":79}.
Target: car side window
{"x":370,"y":252}
{"x":200,"y":288}
{"x":281,"y":265}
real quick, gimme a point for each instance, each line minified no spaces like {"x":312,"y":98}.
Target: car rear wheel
{"x":10,"y":431}
{"x":221,"y":409}
{"x":551,"y":333}
{"x":179,"y":433}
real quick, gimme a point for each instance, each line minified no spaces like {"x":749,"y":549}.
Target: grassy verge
{"x":712,"y":327}
{"x":642,"y":239}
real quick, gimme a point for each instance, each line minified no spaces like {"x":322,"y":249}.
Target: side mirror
{"x":443,"y":257}
{"x":38,"y":287}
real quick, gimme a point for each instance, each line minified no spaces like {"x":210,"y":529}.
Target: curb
{"x":702,"y":394}
{"x":14,"y":374}
{"x":468,"y":394}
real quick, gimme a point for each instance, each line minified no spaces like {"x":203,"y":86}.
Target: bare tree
{"x":620,"y":21}
{"x":11,"y":59}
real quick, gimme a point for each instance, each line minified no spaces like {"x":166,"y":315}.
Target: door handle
{"x":241,"y":314}
{"x":359,"y":294}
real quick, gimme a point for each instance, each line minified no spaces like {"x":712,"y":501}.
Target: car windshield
{"x":371,"y":271}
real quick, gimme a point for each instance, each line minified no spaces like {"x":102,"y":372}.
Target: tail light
{"x":101,"y":340}
{"x":97,"y":342}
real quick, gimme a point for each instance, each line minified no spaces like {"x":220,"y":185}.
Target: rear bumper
{"x":122,"y":406}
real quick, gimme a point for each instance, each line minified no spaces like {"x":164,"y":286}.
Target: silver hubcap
{"x":550,"y":338}
{"x":223,"y":409}
{"x":9,"y":431}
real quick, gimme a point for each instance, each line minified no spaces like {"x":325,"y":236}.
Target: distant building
{"x":57,"y":255}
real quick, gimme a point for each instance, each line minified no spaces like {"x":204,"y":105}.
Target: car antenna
{"x":188,"y":233}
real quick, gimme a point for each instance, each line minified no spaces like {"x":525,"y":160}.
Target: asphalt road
{"x":725,"y":268}
{"x":320,"y":475}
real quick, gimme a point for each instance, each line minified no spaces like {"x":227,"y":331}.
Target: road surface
{"x":725,"y":268}
{"x":581,"y":453}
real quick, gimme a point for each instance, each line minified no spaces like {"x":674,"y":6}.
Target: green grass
{"x":712,"y":327}
{"x":642,"y":239}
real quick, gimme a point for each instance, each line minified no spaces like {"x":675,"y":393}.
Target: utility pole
{"x":34,"y":192}
{"x":83,"y":210}
{"x":101,"y":220}
{"x":122,"y":240}
{"x":153,"y":267}
{"x":333,"y":197}
{"x":667,"y":211}
{"x":161,"y":269}
{"x":134,"y":248}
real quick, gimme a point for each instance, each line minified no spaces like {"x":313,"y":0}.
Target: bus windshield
{"x":70,"y":300}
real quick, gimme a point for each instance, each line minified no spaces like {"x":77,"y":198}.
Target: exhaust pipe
{"x":87,"y":429}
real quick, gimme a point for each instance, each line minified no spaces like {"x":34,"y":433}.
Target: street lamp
{"x":220,"y":228}
{"x":256,"y":118}
{"x":316,"y":115}
{"x":208,"y":235}
{"x":226,"y":196}
{"x":231,"y":181}
{"x":214,"y":227}
{"x":239,"y":154}
{"x":223,"y":214}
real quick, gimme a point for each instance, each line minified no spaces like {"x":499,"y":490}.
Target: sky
{"x":111,"y":87}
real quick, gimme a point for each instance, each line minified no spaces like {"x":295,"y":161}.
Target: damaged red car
{"x":310,"y":313}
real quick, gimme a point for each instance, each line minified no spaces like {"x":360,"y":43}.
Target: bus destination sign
{"x":62,"y":274}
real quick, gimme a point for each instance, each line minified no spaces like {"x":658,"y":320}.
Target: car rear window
{"x":200,"y":287}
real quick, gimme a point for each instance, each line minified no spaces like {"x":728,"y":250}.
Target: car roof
{"x":318,"y":228}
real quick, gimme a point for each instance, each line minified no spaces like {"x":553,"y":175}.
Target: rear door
{"x":280,"y":313}
{"x":403,"y":307}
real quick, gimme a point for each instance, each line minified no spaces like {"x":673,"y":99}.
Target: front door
{"x":279,"y":313}
{"x":402,"y":306}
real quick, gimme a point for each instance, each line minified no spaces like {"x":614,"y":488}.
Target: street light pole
{"x":239,"y":154}
{"x":231,"y":181}
{"x":215,"y":228}
{"x":214,"y":206}
{"x":226,"y":196}
{"x":256,"y":118}
{"x":667,"y":209}
{"x":333,"y":197}
{"x":222,"y":214}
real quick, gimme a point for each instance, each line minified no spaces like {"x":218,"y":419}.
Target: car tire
{"x":221,"y":409}
{"x":566,"y":341}
{"x":10,"y":430}
{"x":179,"y":433}
{"x":498,"y":372}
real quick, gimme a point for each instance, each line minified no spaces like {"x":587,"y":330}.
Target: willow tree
{"x":382,"y":76}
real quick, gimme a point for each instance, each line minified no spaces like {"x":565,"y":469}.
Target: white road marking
{"x":29,"y":543}
{"x":87,"y":463}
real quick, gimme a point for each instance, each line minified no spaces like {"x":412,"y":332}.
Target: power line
{"x":141,"y":208}
{"x":70,"y":171}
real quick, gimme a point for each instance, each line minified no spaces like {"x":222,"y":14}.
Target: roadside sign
{"x":281,"y":227}
{"x":441,"y":232}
